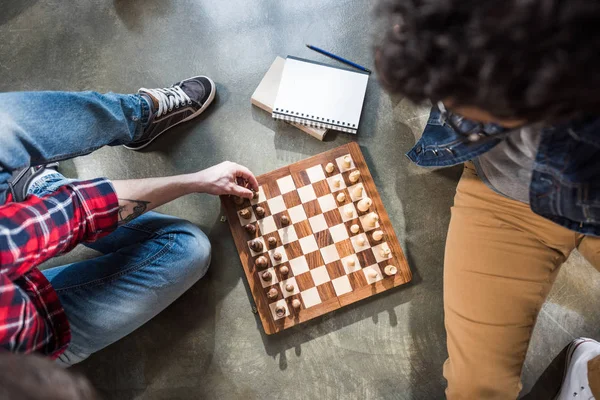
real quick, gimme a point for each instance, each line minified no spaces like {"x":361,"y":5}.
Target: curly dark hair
{"x":516,"y":59}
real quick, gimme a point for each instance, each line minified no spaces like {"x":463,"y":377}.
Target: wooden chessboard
{"x":318,"y":243}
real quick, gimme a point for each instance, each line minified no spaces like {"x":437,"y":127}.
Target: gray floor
{"x":208,"y":344}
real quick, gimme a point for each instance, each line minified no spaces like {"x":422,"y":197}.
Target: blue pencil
{"x":340,"y":59}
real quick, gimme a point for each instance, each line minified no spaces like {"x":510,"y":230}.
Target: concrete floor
{"x":208,"y":344}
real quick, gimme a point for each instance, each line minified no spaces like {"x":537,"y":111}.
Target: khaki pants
{"x":501,"y":260}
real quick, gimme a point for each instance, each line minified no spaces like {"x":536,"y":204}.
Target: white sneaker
{"x":575,"y":385}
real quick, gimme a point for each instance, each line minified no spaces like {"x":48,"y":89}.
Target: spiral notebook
{"x":320,"y":95}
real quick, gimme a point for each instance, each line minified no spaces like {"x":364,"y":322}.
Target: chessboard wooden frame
{"x":296,"y":317}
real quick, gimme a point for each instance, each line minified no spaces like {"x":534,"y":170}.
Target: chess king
{"x":515,"y":89}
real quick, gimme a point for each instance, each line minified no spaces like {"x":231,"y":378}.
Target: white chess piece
{"x":372,"y":274}
{"x":385,"y":252}
{"x":390,"y":270}
{"x":354,"y":228}
{"x":372,"y":219}
{"x":329,"y":168}
{"x":377,"y":235}
{"x":349,"y":211}
{"x":347,"y":161}
{"x":337,"y":182}
{"x":354,"y":175}
{"x":364,"y":204}
{"x":360,"y":241}
{"x":357,"y":191}
{"x":341,"y":197}
{"x":350,"y":262}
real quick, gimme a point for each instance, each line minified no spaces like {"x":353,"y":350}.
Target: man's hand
{"x":226,"y":178}
{"x":140,"y":195}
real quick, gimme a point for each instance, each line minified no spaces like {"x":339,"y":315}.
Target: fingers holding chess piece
{"x":250,"y":228}
{"x":256,"y":245}
{"x":390,"y":270}
{"x":354,"y":176}
{"x":260,"y":212}
{"x":347,"y":161}
{"x":272,"y":293}
{"x":261,"y":262}
{"x":245,"y":213}
{"x":377,"y":235}
{"x":272,"y":242}
{"x":329,"y":168}
{"x":364,"y":204}
{"x":254,"y":195}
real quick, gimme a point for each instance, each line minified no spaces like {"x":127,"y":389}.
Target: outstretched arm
{"x":137,"y":196}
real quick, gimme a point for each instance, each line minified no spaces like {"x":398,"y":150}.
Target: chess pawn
{"x":329,"y":168}
{"x":361,"y":241}
{"x":277,"y":256}
{"x":351,"y":262}
{"x":372,"y":273}
{"x":364,"y":204}
{"x":385,"y":252}
{"x":285,"y":221}
{"x":349,"y":211}
{"x":250,"y":228}
{"x":254,"y":195}
{"x":354,"y":176}
{"x":272,"y":242}
{"x":261,"y":262}
{"x":337,"y":182}
{"x":267,"y":276}
{"x":284,"y":270}
{"x":390,"y":270}
{"x":377,"y":235}
{"x":260,"y":212}
{"x":347,"y":161}
{"x":357,"y":191}
{"x":296,"y":304}
{"x":289,"y":287}
{"x":341,"y":197}
{"x":354,"y":228}
{"x":256,"y":245}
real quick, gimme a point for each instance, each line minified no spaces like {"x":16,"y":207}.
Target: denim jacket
{"x":565,"y":185}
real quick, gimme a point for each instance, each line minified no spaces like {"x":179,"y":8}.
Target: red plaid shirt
{"x":31,"y":316}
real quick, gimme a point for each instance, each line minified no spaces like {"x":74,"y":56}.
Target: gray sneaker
{"x":171,"y":106}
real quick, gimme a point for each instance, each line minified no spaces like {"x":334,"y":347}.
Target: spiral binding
{"x":314,"y":124}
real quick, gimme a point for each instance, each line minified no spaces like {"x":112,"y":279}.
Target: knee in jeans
{"x":194,"y":246}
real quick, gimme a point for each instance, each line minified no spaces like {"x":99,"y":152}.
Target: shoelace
{"x":168,"y":98}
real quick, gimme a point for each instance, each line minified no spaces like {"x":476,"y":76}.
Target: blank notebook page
{"x":320,"y":95}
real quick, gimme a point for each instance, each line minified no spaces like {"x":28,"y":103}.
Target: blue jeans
{"x":146,"y":264}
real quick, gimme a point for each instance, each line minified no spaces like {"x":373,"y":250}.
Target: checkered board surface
{"x":317,"y":243}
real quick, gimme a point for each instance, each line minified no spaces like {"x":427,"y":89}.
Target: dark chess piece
{"x":285,"y":221}
{"x":250,"y":228}
{"x":261,"y":262}
{"x":260,"y":212}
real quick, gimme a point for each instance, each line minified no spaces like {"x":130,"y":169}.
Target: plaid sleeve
{"x":41,"y":228}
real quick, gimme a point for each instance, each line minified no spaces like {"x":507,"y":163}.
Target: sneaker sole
{"x":570,"y":351}
{"x":211,"y":97}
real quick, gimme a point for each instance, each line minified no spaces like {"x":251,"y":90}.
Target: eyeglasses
{"x":471,"y":130}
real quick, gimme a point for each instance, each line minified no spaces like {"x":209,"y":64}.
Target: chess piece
{"x":285,"y":221}
{"x":354,"y":175}
{"x":245,"y":213}
{"x":364,"y":204}
{"x":372,"y":219}
{"x":238,"y":200}
{"x":349,"y":211}
{"x":284,"y":270}
{"x":385,"y":251}
{"x":272,"y":242}
{"x":351,"y":262}
{"x":377,"y":235}
{"x":280,"y":311}
{"x":260,"y":212}
{"x":341,"y":197}
{"x":390,"y":270}
{"x":337,"y":182}
{"x":261,"y":262}
{"x":372,"y":274}
{"x":267,"y":276}
{"x":256,"y":245}
{"x":361,"y":241}
{"x":354,"y":228}
{"x":347,"y":162}
{"x":254,"y":195}
{"x":296,"y":304}
{"x":272,"y":293}
{"x":250,"y":228}
{"x":277,"y":256}
{"x":289,"y":287}
{"x":329,"y":168}
{"x":357,"y":191}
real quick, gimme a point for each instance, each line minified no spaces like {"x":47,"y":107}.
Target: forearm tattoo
{"x":131,"y":209}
